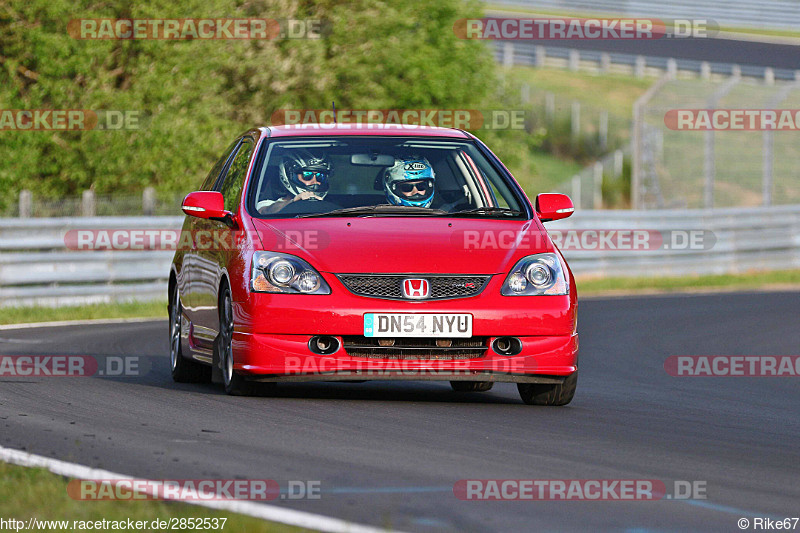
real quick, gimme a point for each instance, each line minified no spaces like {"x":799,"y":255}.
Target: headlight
{"x":536,"y":275}
{"x":283,"y":273}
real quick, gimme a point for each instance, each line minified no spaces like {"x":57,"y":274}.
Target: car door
{"x":187,"y":274}
{"x":215,"y":245}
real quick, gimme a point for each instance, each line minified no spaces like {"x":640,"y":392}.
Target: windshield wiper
{"x":377,"y":210}
{"x":489,"y":211}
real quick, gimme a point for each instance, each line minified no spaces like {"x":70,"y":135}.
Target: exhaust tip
{"x":507,"y":346}
{"x":324,"y":344}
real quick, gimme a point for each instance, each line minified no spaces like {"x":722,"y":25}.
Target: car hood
{"x":405,"y":244}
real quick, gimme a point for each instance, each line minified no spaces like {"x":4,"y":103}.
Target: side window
{"x":234,"y":180}
{"x":211,"y":179}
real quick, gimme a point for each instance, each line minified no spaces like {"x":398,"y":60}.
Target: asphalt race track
{"x":388,"y":454}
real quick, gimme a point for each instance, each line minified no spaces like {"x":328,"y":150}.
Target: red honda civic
{"x":372,"y":252}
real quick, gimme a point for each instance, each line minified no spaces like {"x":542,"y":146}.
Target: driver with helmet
{"x":303,"y":176}
{"x":410,"y":182}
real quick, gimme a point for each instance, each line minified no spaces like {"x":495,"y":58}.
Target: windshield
{"x":378,"y":176}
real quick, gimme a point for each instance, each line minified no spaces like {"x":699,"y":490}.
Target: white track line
{"x":256,"y":510}
{"x":89,"y":322}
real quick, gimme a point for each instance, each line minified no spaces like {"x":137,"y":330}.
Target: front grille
{"x":390,"y":286}
{"x":424,"y":349}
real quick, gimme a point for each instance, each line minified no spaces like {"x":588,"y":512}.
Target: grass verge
{"x":21,"y":315}
{"x":780,"y":279}
{"x":27,"y":493}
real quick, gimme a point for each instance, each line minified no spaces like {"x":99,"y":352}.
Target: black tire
{"x":471,"y":386}
{"x":545,"y":394}
{"x":183,"y":370}
{"x":234,"y":384}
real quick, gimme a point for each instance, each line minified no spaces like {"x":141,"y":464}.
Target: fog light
{"x":507,"y":346}
{"x":323,"y":344}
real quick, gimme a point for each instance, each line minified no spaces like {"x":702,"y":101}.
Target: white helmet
{"x":299,"y":166}
{"x":406,"y":176}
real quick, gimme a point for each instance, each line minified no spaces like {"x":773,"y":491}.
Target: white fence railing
{"x":37,"y":268}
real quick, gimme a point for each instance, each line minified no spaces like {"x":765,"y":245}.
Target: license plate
{"x":417,"y":325}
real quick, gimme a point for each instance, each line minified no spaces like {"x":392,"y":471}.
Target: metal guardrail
{"x":778,"y":14}
{"x":37,"y":269}
{"x":525,"y":53}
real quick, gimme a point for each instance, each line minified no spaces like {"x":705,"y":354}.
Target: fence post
{"x":88,"y":204}
{"x":574,"y":59}
{"x":603,"y":130}
{"x":541,"y":55}
{"x":618,"y":162}
{"x":149,"y":201}
{"x":597,"y":183}
{"x":576,"y":191}
{"x":575,"y":120}
{"x":549,"y":107}
{"x":25,"y":203}
{"x":638,"y":68}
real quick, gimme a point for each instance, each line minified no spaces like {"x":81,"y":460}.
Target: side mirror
{"x":205,"y":204}
{"x":551,"y":206}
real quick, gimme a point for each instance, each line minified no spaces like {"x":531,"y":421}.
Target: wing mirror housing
{"x":209,"y":205}
{"x":552,"y":206}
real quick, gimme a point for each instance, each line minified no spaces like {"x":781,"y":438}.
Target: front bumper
{"x":271,"y":340}
{"x":288,"y":358}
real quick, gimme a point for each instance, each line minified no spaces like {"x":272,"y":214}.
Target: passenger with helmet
{"x":303,"y":177}
{"x":410,"y":182}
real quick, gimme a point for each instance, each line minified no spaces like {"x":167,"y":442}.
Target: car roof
{"x":304,"y":130}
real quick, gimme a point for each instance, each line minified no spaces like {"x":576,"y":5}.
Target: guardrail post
{"x":705,"y":70}
{"x":541,"y":55}
{"x":605,"y":63}
{"x":574,"y":59}
{"x":575,"y":120}
{"x":736,"y":71}
{"x":508,"y":55}
{"x":672,"y":67}
{"x":769,"y":76}
{"x":25,"y":203}
{"x":597,"y":185}
{"x":639,"y":66}
{"x":149,"y":201}
{"x":88,"y":204}
{"x":602,"y":130}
